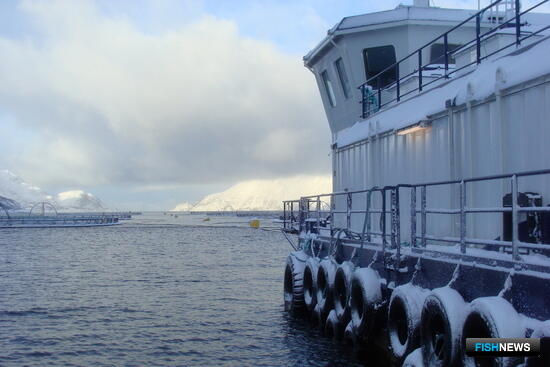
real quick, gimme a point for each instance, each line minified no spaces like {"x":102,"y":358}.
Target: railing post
{"x":462,"y":217}
{"x":284,"y":215}
{"x":379,"y":83}
{"x":398,"y":89}
{"x":395,"y":227}
{"x":348,"y":211}
{"x":478,"y":40}
{"x":318,"y":214}
{"x":383,"y":221}
{"x":306,"y":217}
{"x":515,"y":236}
{"x":302,"y":215}
{"x":291,"y":214}
{"x":420,"y":70}
{"x":367,"y":213}
{"x":423,"y":216}
{"x":518,"y":26}
{"x":446,"y":46}
{"x":413,"y":217}
{"x":363,"y":102}
{"x":332,"y":205}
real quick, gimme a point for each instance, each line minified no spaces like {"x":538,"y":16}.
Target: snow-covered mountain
{"x":263,"y":194}
{"x":79,"y":200}
{"x":8,"y":204}
{"x":13,"y":187}
{"x":183,"y":207}
{"x":22,"y":194}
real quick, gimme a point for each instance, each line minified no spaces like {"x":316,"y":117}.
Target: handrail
{"x":431,"y":42}
{"x":390,"y":210}
{"x":367,"y":95}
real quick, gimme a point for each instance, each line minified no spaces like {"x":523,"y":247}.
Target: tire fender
{"x":492,"y":317}
{"x":333,"y":327}
{"x":325,"y":285}
{"x":342,"y":291}
{"x":310,"y":283}
{"x":404,"y":313}
{"x":442,"y":319}
{"x":293,"y":282}
{"x":366,"y":294}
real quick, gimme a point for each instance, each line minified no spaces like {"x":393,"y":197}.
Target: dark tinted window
{"x":437,"y":52}
{"x":343,"y":76}
{"x":378,"y":59}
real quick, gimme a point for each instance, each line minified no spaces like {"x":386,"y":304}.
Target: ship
{"x":437,"y":228}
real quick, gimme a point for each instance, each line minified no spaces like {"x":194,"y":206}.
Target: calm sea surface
{"x":154,"y":291}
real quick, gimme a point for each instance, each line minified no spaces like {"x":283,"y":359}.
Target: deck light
{"x":422,"y":125}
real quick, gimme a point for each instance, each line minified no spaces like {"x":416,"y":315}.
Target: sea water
{"x":154,"y":291}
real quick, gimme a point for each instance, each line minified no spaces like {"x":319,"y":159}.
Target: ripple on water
{"x":154,"y":295}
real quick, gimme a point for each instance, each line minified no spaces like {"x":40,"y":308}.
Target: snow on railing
{"x":307,"y":215}
{"x":371,"y":99}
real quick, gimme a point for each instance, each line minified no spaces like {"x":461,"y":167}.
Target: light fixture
{"x":422,"y":125}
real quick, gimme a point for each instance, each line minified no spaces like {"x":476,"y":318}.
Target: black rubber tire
{"x":318,"y":319}
{"x":342,"y":291}
{"x":293,"y":283}
{"x":366,"y":295}
{"x":491,"y":317}
{"x":333,"y":327}
{"x":325,"y":285}
{"x":404,"y":311}
{"x":310,"y":283}
{"x":441,"y":324}
{"x":350,"y":338}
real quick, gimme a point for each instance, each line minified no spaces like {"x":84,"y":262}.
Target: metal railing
{"x":298,"y":216}
{"x":371,"y":100}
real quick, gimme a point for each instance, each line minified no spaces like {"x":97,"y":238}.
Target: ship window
{"x":437,"y":53}
{"x":328,"y":88}
{"x":377,"y":59}
{"x":343,"y":76}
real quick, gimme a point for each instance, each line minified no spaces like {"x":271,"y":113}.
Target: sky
{"x":148,"y":103}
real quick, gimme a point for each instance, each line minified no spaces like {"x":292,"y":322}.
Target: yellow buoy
{"x":255,"y":223}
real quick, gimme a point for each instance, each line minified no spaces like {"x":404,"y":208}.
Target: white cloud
{"x":200,"y":103}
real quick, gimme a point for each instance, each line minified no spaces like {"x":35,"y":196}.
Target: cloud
{"x":110,"y":103}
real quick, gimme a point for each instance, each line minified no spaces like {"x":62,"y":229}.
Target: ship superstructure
{"x":441,"y":180}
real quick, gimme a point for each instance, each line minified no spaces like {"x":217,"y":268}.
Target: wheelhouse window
{"x":378,"y":59}
{"x":328,"y":88}
{"x":343,"y":76}
{"x":437,"y":53}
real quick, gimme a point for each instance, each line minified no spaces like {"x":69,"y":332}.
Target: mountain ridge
{"x":18,"y":194}
{"x":260,"y":194}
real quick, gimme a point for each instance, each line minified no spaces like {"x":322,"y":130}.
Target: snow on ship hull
{"x":417,"y":268}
